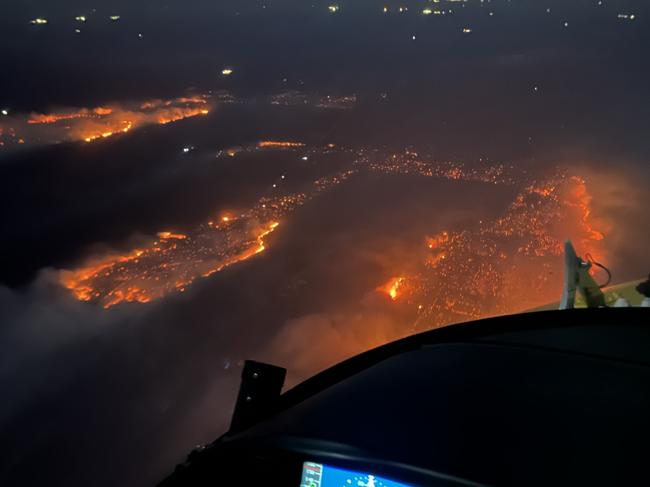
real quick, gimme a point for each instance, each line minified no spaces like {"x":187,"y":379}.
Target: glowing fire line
{"x":80,"y":282}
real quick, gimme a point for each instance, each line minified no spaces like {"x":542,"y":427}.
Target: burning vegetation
{"x":504,"y":265}
{"x":173,"y":261}
{"x":91,"y":124}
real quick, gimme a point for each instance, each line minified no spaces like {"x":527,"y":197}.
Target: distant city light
{"x":427,"y":11}
{"x":333,"y":8}
{"x":385,"y":9}
{"x":38,"y":21}
{"x":467,"y":30}
{"x":5,"y":112}
{"x":80,"y":18}
{"x":226,"y":71}
{"x":115,"y":18}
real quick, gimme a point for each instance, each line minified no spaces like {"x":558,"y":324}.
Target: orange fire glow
{"x":41,"y":119}
{"x":91,"y":124}
{"x":171,"y":235}
{"x":279,"y":144}
{"x":77,"y":281}
{"x":174,"y":115}
{"x":581,"y":199}
{"x":152,"y":272}
{"x":507,"y":265}
{"x":392,"y":287}
{"x":248,"y":253}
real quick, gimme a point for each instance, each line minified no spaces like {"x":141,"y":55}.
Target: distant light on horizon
{"x":38,"y":21}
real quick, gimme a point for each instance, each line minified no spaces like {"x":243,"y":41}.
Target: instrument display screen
{"x":319,"y":475}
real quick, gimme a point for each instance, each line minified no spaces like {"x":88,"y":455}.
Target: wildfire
{"x":279,"y":144}
{"x":174,"y":261}
{"x":581,"y":199}
{"x":91,"y":124}
{"x":42,"y":119}
{"x":392,"y":287}
{"x":437,"y":241}
{"x":77,"y":281}
{"x":156,"y":104}
{"x":174,"y":115}
{"x":127,"y":126}
{"x":248,"y":253}
{"x":169,"y":264}
{"x":168,"y":235}
{"x":505,"y":265}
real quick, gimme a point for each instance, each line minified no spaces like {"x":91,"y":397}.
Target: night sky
{"x":188,"y":184}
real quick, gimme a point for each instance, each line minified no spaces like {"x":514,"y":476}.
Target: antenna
{"x":577,"y":278}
